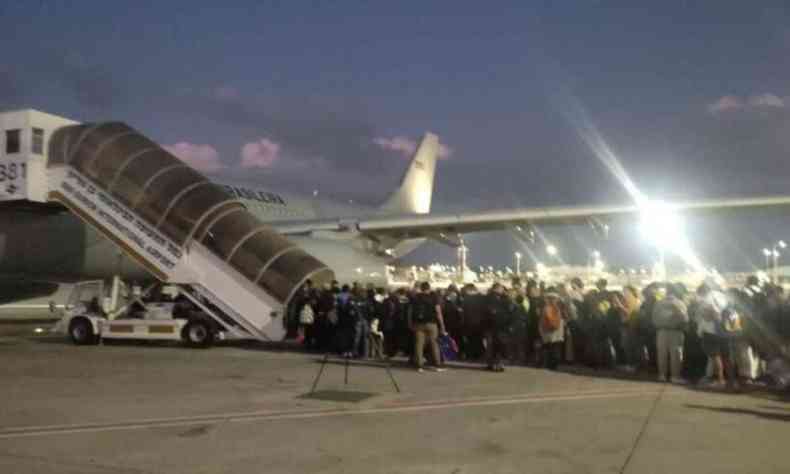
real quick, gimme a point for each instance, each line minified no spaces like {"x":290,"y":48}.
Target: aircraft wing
{"x":442,"y":226}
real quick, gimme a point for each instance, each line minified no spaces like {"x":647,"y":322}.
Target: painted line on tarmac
{"x":39,"y":431}
{"x":622,"y":389}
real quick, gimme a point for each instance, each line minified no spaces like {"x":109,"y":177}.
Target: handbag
{"x":448,"y":347}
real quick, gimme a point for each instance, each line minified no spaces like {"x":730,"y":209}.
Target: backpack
{"x":422,"y":310}
{"x":346,"y":312}
{"x":731,"y":322}
{"x":603,"y":307}
{"x":307,"y":316}
{"x":552,"y":317}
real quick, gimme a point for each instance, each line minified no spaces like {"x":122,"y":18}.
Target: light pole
{"x":592,"y":262}
{"x":775,"y":254}
{"x":462,"y":251}
{"x":768,"y":253}
{"x":518,"y":262}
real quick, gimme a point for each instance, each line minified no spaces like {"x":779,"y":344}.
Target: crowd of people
{"x":712,"y":335}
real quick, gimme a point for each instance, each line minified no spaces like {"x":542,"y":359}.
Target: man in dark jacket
{"x":326,"y":318}
{"x":362,"y":301}
{"x":473,"y":307}
{"x":535,"y":297}
{"x":499,"y":315}
{"x":393,"y":322}
{"x":452,"y":311}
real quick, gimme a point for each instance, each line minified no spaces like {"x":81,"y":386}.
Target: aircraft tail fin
{"x":416,"y":187}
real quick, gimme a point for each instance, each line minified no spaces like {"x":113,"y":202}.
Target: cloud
{"x":201,"y":157}
{"x":226,"y":92}
{"x":729,"y":103}
{"x":766,"y":100}
{"x":262,"y":153}
{"x":338,"y":129}
{"x":406,"y":146}
{"x":725,"y":103}
{"x":402,"y":145}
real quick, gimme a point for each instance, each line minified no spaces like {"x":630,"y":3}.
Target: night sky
{"x":690,"y":97}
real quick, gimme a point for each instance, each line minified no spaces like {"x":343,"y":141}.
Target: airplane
{"x":46,"y":241}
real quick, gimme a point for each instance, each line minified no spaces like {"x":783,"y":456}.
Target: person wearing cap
{"x":670,"y":317}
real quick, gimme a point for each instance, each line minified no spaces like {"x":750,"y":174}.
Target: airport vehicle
{"x":94,"y":313}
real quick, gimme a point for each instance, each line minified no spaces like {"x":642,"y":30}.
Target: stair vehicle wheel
{"x":198,"y":334}
{"x":81,"y":332}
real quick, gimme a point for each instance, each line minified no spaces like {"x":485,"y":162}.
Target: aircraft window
{"x":37,"y":145}
{"x":13,"y":141}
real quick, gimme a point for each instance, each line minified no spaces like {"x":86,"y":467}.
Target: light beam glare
{"x":660,"y":225}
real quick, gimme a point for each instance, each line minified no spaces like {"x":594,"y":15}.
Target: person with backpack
{"x":425,"y":320}
{"x":630,"y":336}
{"x":392,"y":321}
{"x":646,"y":330}
{"x":535,"y":301}
{"x":518,"y":327}
{"x":452,"y":312}
{"x":347,"y":321}
{"x":670,"y":316}
{"x":710,"y":307}
{"x":616,"y":321}
{"x":326,"y":318}
{"x":364,"y":313}
{"x":552,"y":328}
{"x":499,"y":315}
{"x":572,"y":298}
{"x":602,"y":345}
{"x":307,"y":323}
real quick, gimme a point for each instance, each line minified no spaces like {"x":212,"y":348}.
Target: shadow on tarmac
{"x":395,"y":364}
{"x":744,"y":411}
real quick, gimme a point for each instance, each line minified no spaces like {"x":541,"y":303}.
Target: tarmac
{"x":159,"y":408}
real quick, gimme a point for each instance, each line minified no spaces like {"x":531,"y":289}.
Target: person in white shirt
{"x":709,"y":311}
